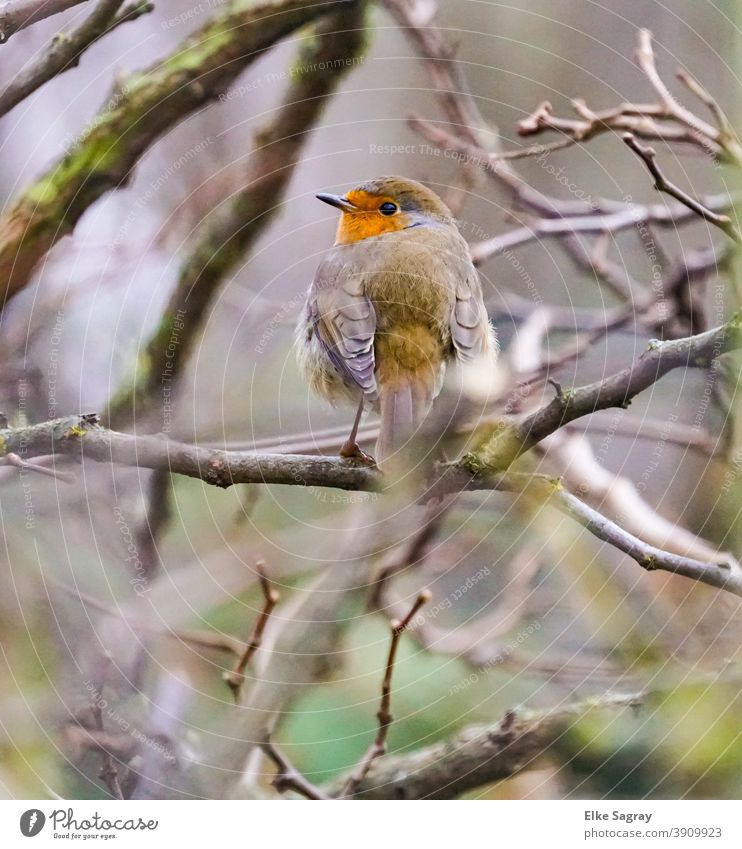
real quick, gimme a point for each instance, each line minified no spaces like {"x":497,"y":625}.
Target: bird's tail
{"x":404,"y":406}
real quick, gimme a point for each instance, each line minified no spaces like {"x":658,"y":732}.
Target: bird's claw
{"x":352,"y":451}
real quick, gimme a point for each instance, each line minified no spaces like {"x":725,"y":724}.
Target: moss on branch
{"x":144,"y":107}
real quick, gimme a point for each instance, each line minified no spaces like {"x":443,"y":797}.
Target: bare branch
{"x":478,"y":641}
{"x":378,"y":747}
{"x":701,"y":351}
{"x":82,"y":437}
{"x":672,"y":109}
{"x":230,"y":231}
{"x":413,"y":550}
{"x":724,"y":575}
{"x":727,"y":134}
{"x":477,"y":755}
{"x":649,"y":156}
{"x":640,"y":119}
{"x":236,"y":678}
{"x":16,"y":15}
{"x":441,"y":67}
{"x":108,"y":771}
{"x":142,"y":109}
{"x":65,"y":50}
{"x":625,"y":218}
{"x":611,"y":493}
{"x":667,"y":121}
{"x":159,"y":510}
{"x":288,"y":777}
{"x":19,"y":463}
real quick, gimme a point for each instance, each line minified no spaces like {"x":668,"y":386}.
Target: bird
{"x":393,"y":301}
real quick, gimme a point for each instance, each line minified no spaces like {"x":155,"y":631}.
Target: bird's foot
{"x":352,"y":451}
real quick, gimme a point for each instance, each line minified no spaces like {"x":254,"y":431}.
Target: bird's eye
{"x":388,"y":208}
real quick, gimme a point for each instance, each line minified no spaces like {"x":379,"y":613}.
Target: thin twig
{"x":597,"y":223}
{"x":649,"y":156}
{"x":672,"y":109}
{"x":108,"y":772}
{"x":639,"y":118}
{"x":727,"y":134}
{"x":288,"y":777}
{"x":65,"y":49}
{"x":236,"y":677}
{"x":159,"y":511}
{"x":16,"y":15}
{"x":413,"y":550}
{"x":19,"y":463}
{"x":384,"y":715}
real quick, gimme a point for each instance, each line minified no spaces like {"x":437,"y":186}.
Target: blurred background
{"x":527,"y":609}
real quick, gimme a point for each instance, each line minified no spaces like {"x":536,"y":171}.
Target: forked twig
{"x":384,"y":715}
{"x":288,"y":777}
{"x":649,"y":156}
{"x":236,"y":677}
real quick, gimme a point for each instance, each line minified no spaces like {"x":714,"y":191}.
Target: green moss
{"x":502,"y":449}
{"x":220,"y":34}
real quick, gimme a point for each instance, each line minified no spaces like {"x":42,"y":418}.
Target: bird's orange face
{"x":366,"y":214}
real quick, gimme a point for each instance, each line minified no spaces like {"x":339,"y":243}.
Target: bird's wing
{"x":345,"y":322}
{"x":471,"y":332}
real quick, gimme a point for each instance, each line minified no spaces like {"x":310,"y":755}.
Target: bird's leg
{"x":350,"y":448}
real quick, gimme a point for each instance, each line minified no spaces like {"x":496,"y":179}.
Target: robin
{"x":392,"y":302}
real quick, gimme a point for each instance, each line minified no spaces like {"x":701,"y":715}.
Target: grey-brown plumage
{"x":393,"y":301}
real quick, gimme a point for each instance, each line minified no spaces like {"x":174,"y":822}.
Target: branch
{"x":144,"y":107}
{"x":82,"y":437}
{"x":295,"y":650}
{"x":108,"y":771}
{"x":158,"y":512}
{"x":724,"y":575}
{"x":17,"y":462}
{"x":702,"y":350}
{"x":288,"y":777}
{"x":413,"y":551}
{"x":65,"y":50}
{"x":378,"y":747}
{"x":640,"y":119}
{"x":229,"y":232}
{"x":459,"y":107}
{"x":667,"y":121}
{"x":662,"y":184}
{"x":597,"y":223}
{"x":582,"y":473}
{"x":672,"y":109}
{"x":236,"y":678}
{"x":477,"y":641}
{"x":16,"y":15}
{"x":477,"y":755}
{"x":499,"y":169}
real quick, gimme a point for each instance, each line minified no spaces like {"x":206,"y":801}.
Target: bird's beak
{"x":337,"y":201}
